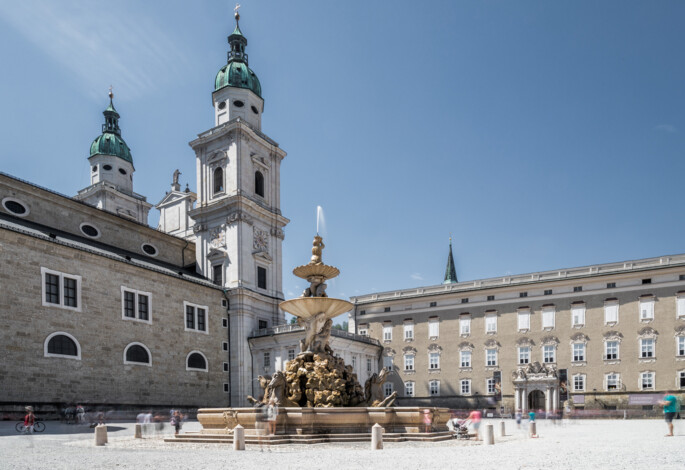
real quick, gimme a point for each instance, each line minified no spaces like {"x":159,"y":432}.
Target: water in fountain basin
{"x":320,"y":221}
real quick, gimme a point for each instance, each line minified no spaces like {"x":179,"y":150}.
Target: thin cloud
{"x":97,"y":46}
{"x":668,"y":128}
{"x":417,"y":277}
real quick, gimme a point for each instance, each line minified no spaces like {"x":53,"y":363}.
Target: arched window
{"x":137,"y":353}
{"x":218,"y":181}
{"x":196,"y":361}
{"x":259,"y":183}
{"x":62,"y":345}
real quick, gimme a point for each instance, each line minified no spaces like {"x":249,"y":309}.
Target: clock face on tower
{"x":260,"y":240}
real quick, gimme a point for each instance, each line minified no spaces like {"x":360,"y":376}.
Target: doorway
{"x":536,"y":400}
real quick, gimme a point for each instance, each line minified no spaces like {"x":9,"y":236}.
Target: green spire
{"x":110,"y":142}
{"x":236,"y":73}
{"x":450,"y":271}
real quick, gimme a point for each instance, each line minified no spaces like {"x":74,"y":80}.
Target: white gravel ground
{"x":615,"y":445}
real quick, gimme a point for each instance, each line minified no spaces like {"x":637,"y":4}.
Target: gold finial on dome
{"x":237,"y":13}
{"x":111,"y":95}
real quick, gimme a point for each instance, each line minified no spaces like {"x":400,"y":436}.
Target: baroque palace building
{"x":605,"y":336}
{"x":102,"y":309}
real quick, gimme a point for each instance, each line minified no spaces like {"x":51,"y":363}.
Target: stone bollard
{"x":100,"y":435}
{"x":502,"y":429}
{"x":489,"y":435}
{"x":376,"y":437}
{"x":138,"y":432}
{"x":238,"y":438}
{"x":533,"y":430}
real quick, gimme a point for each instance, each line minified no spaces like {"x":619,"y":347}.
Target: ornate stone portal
{"x":316,"y":377}
{"x":536,"y":387}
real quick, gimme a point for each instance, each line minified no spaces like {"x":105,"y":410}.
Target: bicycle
{"x":38,"y":426}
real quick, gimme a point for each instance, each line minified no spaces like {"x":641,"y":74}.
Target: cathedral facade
{"x":102,"y":309}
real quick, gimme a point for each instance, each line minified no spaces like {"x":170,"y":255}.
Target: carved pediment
{"x":648,"y":331}
{"x":262,"y":255}
{"x":465,"y":345}
{"x":492,"y":343}
{"x":613,"y":335}
{"x":525,"y":342}
{"x":549,"y":340}
{"x":579,"y":338}
{"x":409,"y":350}
{"x":680,"y":330}
{"x":389,"y":352}
{"x":436,"y":348}
{"x":217,"y":156}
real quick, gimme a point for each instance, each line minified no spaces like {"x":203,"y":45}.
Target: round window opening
{"x":15,"y":207}
{"x":95,"y":168}
{"x":149,"y":249}
{"x":107,"y":167}
{"x":222,"y":105}
{"x":255,"y":110}
{"x":238,"y":104}
{"x":90,"y":231}
{"x":122,"y":171}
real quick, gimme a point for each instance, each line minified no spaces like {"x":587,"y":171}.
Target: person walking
{"x":271,"y":416}
{"x":519,"y":415}
{"x":670,"y":404}
{"x":475,"y":416}
{"x":176,"y":421}
{"x":427,"y":420}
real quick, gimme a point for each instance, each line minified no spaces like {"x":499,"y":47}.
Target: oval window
{"x":222,"y":105}
{"x":95,"y":168}
{"x":255,"y":110}
{"x":107,"y":167}
{"x":15,"y":207}
{"x":238,"y":104}
{"x":149,"y":249}
{"x":90,"y":231}
{"x":122,"y":171}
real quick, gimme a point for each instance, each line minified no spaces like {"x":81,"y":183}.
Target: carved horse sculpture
{"x":374,"y":391}
{"x":275,"y":388}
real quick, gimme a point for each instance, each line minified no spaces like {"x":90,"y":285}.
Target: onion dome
{"x":110,"y":142}
{"x":236,"y":73}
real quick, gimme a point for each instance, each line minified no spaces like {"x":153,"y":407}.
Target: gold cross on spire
{"x":111,"y":95}
{"x":237,"y":13}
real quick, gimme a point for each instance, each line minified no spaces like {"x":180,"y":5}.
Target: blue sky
{"x":540,"y":134}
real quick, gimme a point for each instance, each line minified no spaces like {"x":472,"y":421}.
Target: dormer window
{"x":222,"y":105}
{"x":259,"y":183}
{"x":218,"y":181}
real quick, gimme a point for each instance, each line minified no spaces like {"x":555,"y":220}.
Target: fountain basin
{"x":308,"y":307}
{"x":323,"y":270}
{"x":325,"y":420}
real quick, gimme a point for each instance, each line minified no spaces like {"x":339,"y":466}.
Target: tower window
{"x":90,"y":231}
{"x":122,"y":171}
{"x":107,"y":167}
{"x":222,"y":105}
{"x":261,"y":277}
{"x":259,"y":183}
{"x":255,"y":110}
{"x":95,"y":168}
{"x":217,"y":276}
{"x":218,"y":181}
{"x":149,"y":249}
{"x":238,"y":104}
{"x":15,"y":207}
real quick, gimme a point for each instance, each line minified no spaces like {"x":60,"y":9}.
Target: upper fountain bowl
{"x":323,"y":270}
{"x":308,"y":307}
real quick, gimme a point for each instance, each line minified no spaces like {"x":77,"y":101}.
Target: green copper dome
{"x":110,"y":142}
{"x":236,"y":72}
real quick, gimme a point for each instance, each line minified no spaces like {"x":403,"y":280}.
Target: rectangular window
{"x":647,"y":308}
{"x":578,"y":352}
{"x":433,"y":328}
{"x":354,"y":363}
{"x":681,"y":379}
{"x":490,"y":386}
{"x":646,"y":347}
{"x":465,"y":358}
{"x":611,"y":312}
{"x":368,"y":365}
{"x":524,"y":320}
{"x":409,"y":362}
{"x":612,"y":381}
{"x":291,"y":354}
{"x":680,"y":345}
{"x":387,"y":332}
{"x":434,"y":360}
{"x":548,"y":292}
{"x":491,"y":297}
{"x":524,"y":355}
{"x":263,"y":324}
{"x":647,"y":380}
{"x":578,"y":289}
{"x":578,"y":315}
{"x":225,"y":366}
{"x":611,"y":285}
{"x":224,"y":322}
{"x":409,"y":331}
{"x":196,"y":317}
{"x":261,"y":277}
{"x":433,"y":304}
{"x":491,"y":323}
{"x":217,"y":274}
{"x":135,"y":305}
{"x":386,"y":309}
{"x":647,"y":281}
{"x":465,"y":300}
{"x":611,"y":350}
{"x":387,"y":362}
{"x":61,"y":290}
{"x":434,"y":388}
{"x":267,"y":360}
{"x":523,"y":294}
{"x":363,"y":331}
{"x":579,"y":383}
{"x":466,"y":387}
{"x":680,"y":304}
{"x":490,"y":357}
{"x":548,"y":314}
{"x":464,"y":325}
{"x":387,"y":388}
{"x":224,"y":346}
{"x":409,"y":389}
{"x":226,"y":388}
{"x":549,"y":354}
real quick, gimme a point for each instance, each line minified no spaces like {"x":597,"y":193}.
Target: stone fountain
{"x":318,"y":393}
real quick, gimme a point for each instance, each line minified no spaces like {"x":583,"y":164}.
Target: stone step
{"x":280,"y":439}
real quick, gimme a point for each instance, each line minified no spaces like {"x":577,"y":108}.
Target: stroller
{"x":460,"y":428}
